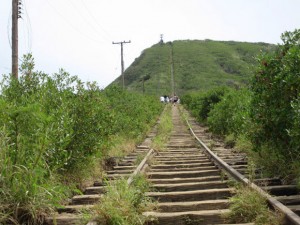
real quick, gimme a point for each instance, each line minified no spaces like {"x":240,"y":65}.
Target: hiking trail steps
{"x":189,"y":188}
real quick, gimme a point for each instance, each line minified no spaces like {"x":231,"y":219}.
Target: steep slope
{"x":198,"y":65}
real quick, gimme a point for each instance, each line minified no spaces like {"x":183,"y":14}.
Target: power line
{"x":79,"y":12}
{"x":108,"y":36}
{"x":28,"y":26}
{"x":71,"y":25}
{"x":8,"y":28}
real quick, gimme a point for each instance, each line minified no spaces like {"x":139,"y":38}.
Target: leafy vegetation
{"x":264,"y":117}
{"x":275,"y":105}
{"x":198,"y":65}
{"x":53,"y":130}
{"x":264,"y":121}
{"x":231,"y":115}
{"x":201,"y":104}
{"x":123,"y":204}
{"x":249,"y":206}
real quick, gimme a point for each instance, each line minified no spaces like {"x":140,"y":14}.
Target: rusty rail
{"x":135,"y":172}
{"x":140,"y":166}
{"x":290,"y":216}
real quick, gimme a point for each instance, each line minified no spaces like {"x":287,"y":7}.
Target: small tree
{"x":275,"y":103}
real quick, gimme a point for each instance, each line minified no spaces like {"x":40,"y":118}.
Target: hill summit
{"x":192,"y":65}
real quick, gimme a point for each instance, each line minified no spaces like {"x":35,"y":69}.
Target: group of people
{"x":166,"y":99}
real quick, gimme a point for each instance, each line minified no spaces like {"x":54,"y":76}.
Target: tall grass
{"x":123,"y":204}
{"x":164,"y":129}
{"x":28,"y":191}
{"x":249,"y":206}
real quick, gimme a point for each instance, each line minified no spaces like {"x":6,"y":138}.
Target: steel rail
{"x":140,"y":166}
{"x":290,"y":216}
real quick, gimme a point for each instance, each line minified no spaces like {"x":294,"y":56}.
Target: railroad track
{"x":191,"y":188}
{"x":73,"y":213}
{"x":282,"y":197}
{"x":189,"y":181}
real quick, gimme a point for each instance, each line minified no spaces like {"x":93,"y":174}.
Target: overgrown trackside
{"x":53,"y":130}
{"x":164,"y":129}
{"x":124,"y":204}
{"x":263,"y":119}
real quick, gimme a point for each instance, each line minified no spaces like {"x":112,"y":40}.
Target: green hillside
{"x":198,"y":65}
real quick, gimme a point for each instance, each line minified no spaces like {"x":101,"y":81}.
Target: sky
{"x":77,"y":35}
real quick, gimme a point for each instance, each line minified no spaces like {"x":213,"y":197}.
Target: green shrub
{"x":202,"y":103}
{"x":243,"y":143}
{"x":274,"y":106}
{"x":230,"y":141}
{"x":231,"y":114}
{"x":209,"y":100}
{"x":47,"y":109}
{"x":54,"y":126}
{"x":133,"y":113}
{"x":192,"y":102}
{"x":294,"y":131}
{"x":27,"y":190}
{"x":123,"y":204}
{"x":249,"y":206}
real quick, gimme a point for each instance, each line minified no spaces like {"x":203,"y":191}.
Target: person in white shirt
{"x":162,"y":99}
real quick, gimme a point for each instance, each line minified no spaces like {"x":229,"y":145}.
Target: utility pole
{"x":172,"y":70}
{"x":122,"y":61}
{"x":16,"y":14}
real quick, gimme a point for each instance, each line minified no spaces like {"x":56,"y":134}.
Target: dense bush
{"x":270,"y":110}
{"x":294,"y":131}
{"x":192,"y":101}
{"x":133,"y":113}
{"x":51,"y":126}
{"x":201,"y":104}
{"x":275,"y":104}
{"x":56,"y":115}
{"x":231,"y":114}
{"x":226,"y":112}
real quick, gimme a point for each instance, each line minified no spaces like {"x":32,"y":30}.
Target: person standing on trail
{"x":167,"y":99}
{"x":162,"y":99}
{"x":175,"y":99}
